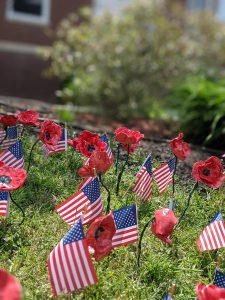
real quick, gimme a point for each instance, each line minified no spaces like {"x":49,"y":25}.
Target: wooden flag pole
{"x":172,"y":290}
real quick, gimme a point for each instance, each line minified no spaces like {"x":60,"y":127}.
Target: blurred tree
{"x":121,"y":64}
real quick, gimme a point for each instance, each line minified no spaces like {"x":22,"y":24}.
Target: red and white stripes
{"x":212,"y":237}
{"x":70,"y":267}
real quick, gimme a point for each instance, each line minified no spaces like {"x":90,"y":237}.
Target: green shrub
{"x":121,"y":64}
{"x":201,"y":107}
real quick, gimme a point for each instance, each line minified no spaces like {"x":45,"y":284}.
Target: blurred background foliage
{"x":200,"y":103}
{"x":128,"y":66}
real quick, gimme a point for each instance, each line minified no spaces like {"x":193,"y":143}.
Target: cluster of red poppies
{"x":90,"y":145}
{"x":101,"y":231}
{"x":29,"y":118}
{"x":50,"y":133}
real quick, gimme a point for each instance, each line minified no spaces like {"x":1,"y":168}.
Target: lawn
{"x":25,"y":248}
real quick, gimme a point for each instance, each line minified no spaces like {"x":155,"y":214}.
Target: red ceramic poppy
{"x":87,"y":142}
{"x":209,"y":172}
{"x":163,"y":225}
{"x":209,"y":292}
{"x":8,"y":120}
{"x":99,"y":236}
{"x":28,"y":117}
{"x":10,"y":178}
{"x":126,"y":136}
{"x":10,"y":288}
{"x":98,"y":163}
{"x":50,"y":134}
{"x":180,"y":148}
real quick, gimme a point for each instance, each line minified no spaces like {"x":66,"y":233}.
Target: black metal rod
{"x":140,"y":240}
{"x":117,"y":158}
{"x":20,"y":208}
{"x":174,"y":173}
{"x":109,"y":195}
{"x":121,"y":172}
{"x":30,"y":156}
{"x":188,"y":203}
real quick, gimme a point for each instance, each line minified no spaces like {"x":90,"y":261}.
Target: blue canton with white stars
{"x":92,"y":190}
{"x":218,"y":217}
{"x":75,"y":234}
{"x":148,"y":165}
{"x":16,"y":150}
{"x":171,"y":164}
{"x":167,"y":297}
{"x":12,"y":132}
{"x":171,"y":205}
{"x":125,"y":217}
{"x":3,"y":196}
{"x":219,"y":279}
{"x":63,"y":135}
{"x":104,"y":139}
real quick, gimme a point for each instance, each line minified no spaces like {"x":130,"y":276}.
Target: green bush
{"x":201,"y":107}
{"x":121,"y":64}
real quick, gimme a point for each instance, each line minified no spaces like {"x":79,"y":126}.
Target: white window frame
{"x":42,"y":20}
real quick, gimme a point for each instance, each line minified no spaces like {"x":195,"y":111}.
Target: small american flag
{"x":69,"y":264}
{"x":105,"y":139}
{"x":164,"y":174}
{"x":167,"y":297}
{"x":12,"y":135}
{"x":219,"y":279}
{"x":86,"y":202}
{"x":13,"y":156}
{"x":4,"y":204}
{"x":60,"y":147}
{"x":143,"y":184}
{"x":213,"y":236}
{"x":126,"y":226}
{"x":171,"y":204}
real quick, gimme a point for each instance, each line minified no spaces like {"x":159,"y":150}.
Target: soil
{"x":157,"y":132}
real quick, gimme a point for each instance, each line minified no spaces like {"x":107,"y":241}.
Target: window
{"x":114,"y":6}
{"x":28,"y":11}
{"x":201,"y":4}
{"x":216,"y":6}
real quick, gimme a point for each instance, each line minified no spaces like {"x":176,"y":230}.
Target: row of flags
{"x":12,"y":156}
{"x":163,"y":176}
{"x":70,"y":265}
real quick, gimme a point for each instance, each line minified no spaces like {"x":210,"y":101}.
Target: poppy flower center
{"x":5,"y":179}
{"x":48,"y":136}
{"x":91,"y":148}
{"x":98,"y":232}
{"x":206,"y":172}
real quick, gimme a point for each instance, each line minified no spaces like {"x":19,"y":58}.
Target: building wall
{"x":21,"y":69}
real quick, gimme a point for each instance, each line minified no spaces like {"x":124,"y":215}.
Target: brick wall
{"x":21,"y":73}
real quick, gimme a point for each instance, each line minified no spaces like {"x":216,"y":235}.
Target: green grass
{"x":24,"y":249}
